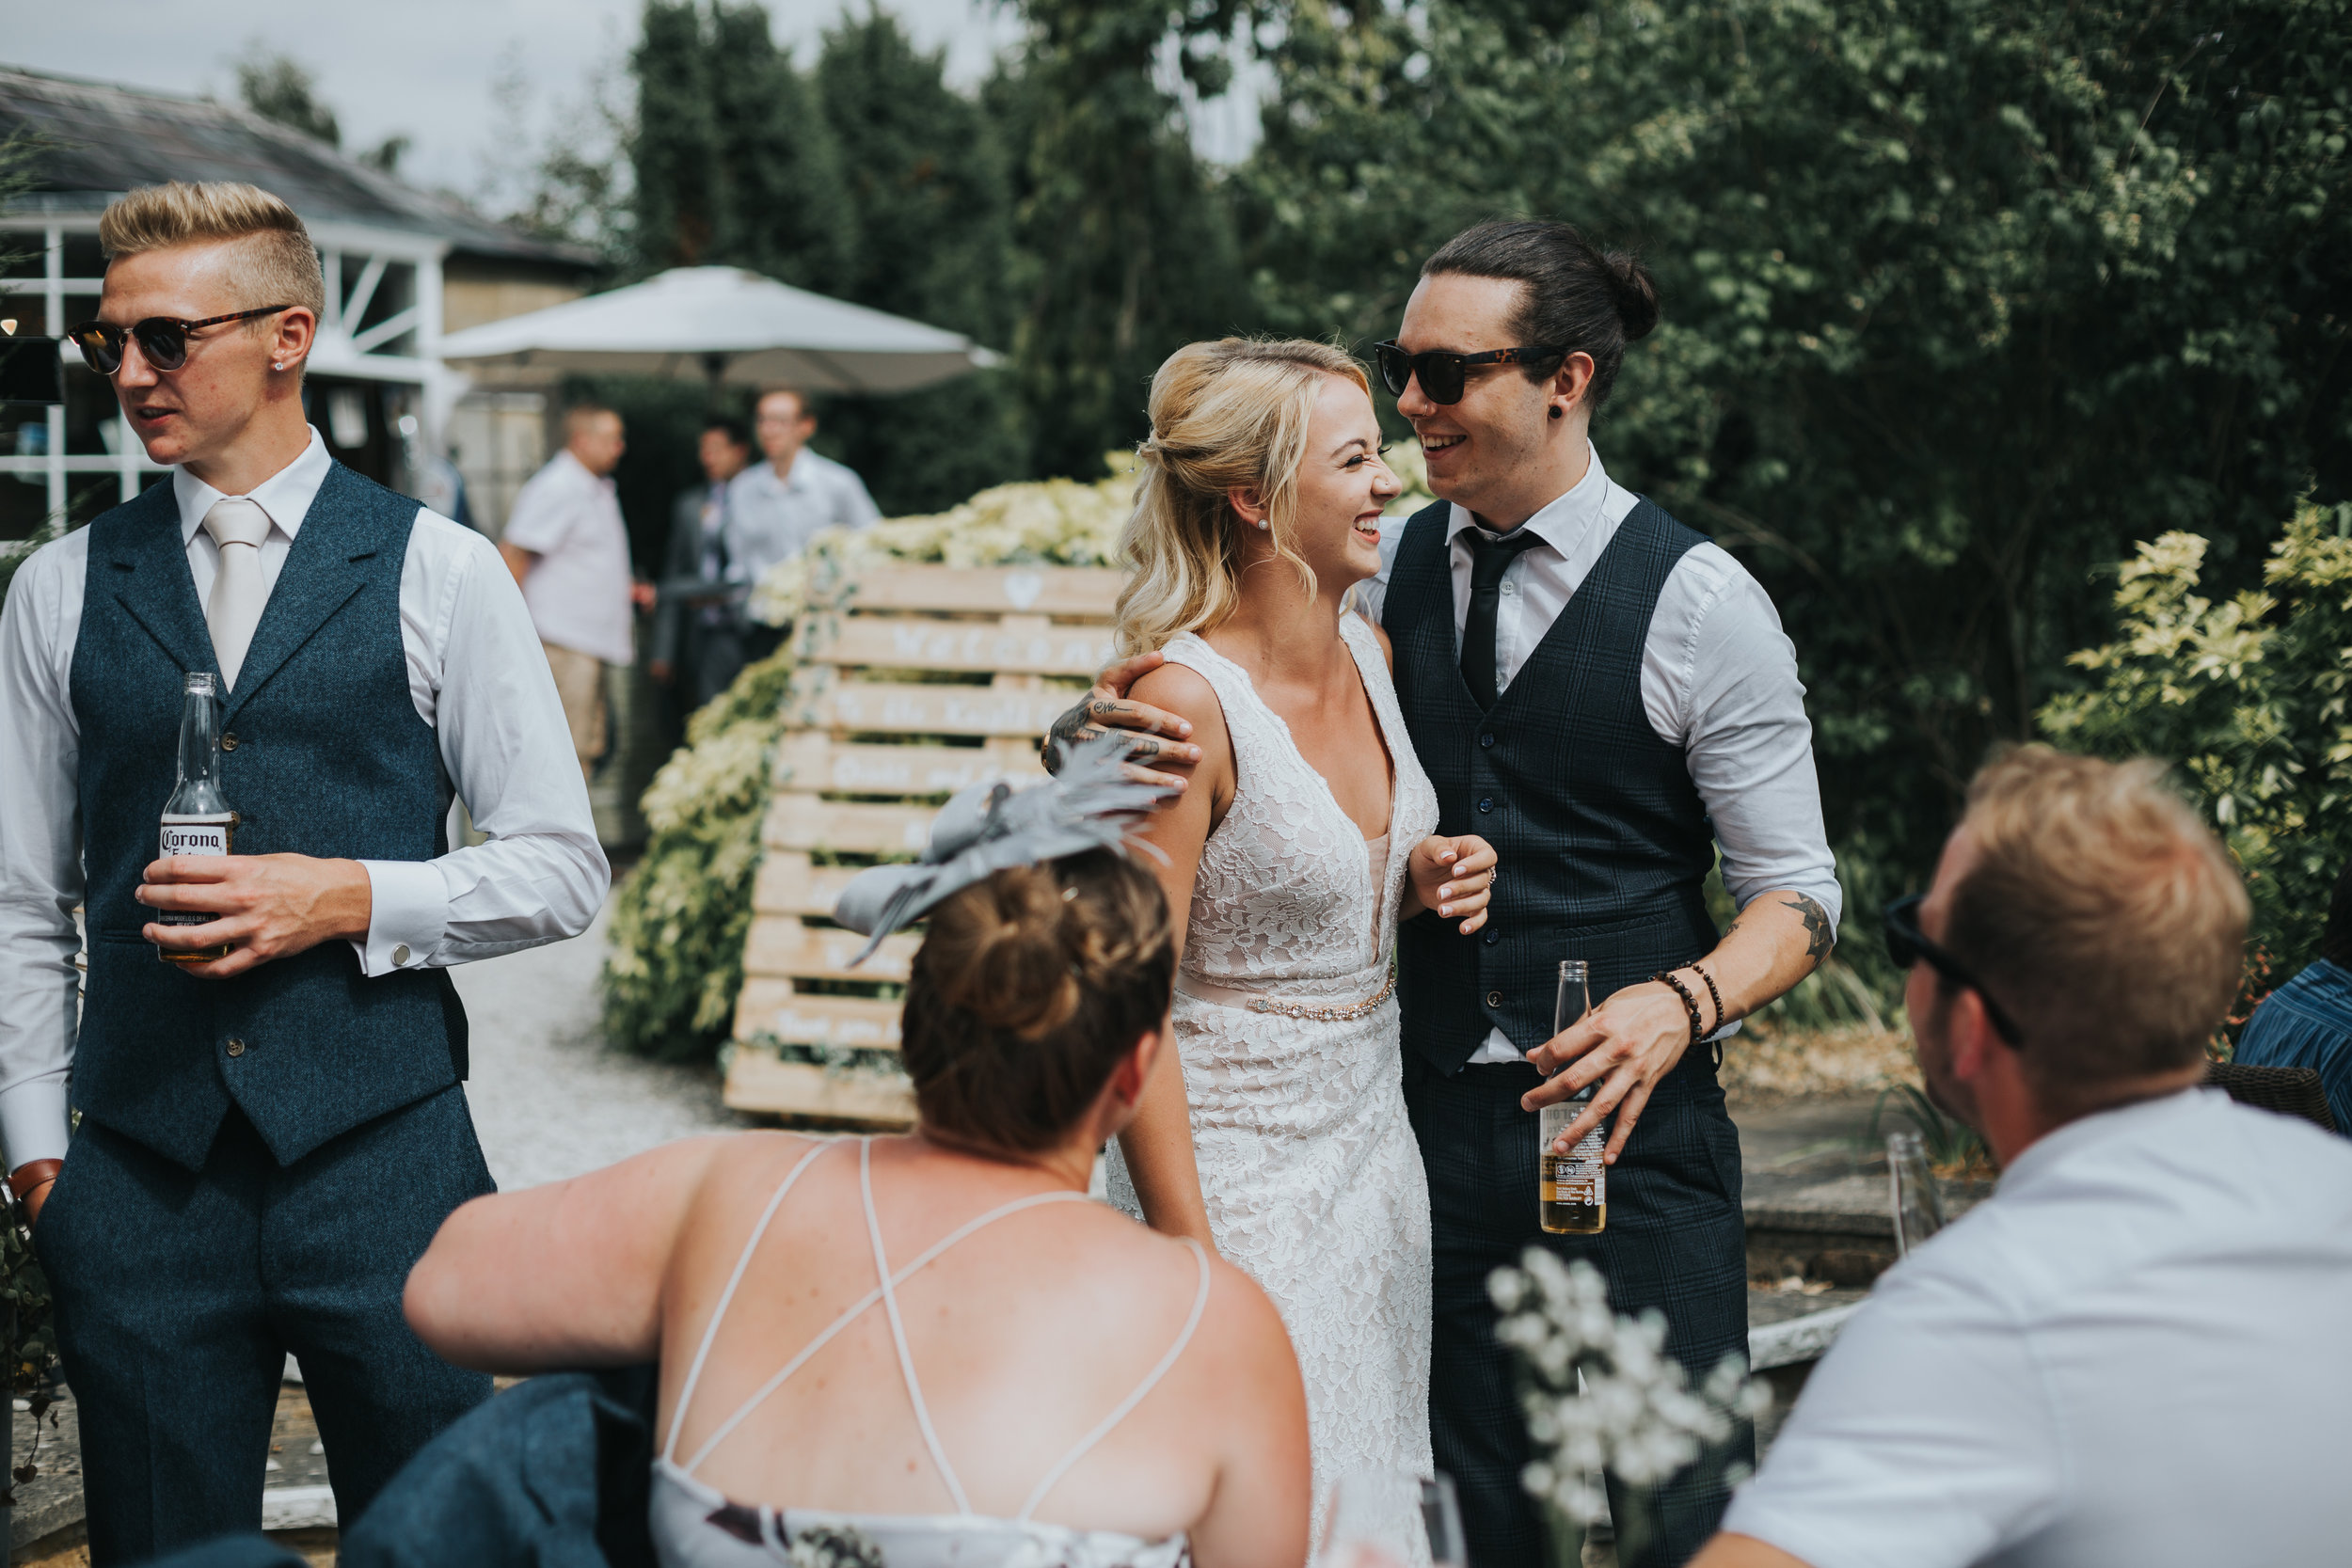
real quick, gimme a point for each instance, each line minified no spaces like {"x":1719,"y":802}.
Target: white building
{"x":402,"y":267}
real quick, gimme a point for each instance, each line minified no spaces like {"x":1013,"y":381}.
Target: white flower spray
{"x":1602,"y":1394}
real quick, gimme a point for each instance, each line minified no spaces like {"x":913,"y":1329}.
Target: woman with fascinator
{"x":1276,"y":1132}
{"x":928,"y":1350}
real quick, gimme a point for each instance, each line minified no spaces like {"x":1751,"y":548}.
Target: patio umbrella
{"x":723,"y":323}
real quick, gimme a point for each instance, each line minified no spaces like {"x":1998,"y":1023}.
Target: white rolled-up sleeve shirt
{"x":476,"y":675}
{"x":1719,"y":681}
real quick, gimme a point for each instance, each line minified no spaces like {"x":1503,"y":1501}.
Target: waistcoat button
{"x":228,"y":742}
{"x":1494,"y":999}
{"x":1485,"y":802}
{"x":236,"y":1048}
{"x":1493,"y":937}
{"x":1486,"y":740}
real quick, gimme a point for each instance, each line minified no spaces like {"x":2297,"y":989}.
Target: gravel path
{"x":549,"y":1098}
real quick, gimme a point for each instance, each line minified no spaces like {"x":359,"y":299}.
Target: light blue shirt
{"x":772,"y":519}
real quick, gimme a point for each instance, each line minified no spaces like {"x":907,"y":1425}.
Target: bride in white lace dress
{"x":1304,"y":835}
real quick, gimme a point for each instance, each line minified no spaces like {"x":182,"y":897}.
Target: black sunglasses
{"x":164,"y":339}
{"x":1907,"y":945}
{"x":1442,"y":373}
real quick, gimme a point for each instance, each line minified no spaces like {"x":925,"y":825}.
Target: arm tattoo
{"x":1820,"y":935}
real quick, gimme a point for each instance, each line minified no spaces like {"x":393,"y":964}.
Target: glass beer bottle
{"x":196,"y":819}
{"x":1571,"y":1189}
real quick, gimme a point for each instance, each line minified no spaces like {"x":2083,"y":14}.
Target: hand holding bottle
{"x":269,"y":906}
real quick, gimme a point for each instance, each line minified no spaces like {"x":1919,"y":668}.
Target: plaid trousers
{"x":1675,"y":1241}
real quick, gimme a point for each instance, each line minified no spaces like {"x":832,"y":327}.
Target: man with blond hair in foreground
{"x":2135,"y":1353}
{"x":268,"y":1140}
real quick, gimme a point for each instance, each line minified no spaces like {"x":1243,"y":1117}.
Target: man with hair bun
{"x":261,"y":1144}
{"x":1608,"y":697}
{"x":2134,"y":1354}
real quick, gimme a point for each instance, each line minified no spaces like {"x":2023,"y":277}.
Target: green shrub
{"x":2247,"y":698}
{"x":676,"y":945}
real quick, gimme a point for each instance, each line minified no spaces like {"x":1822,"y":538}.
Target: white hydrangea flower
{"x":1602,"y":1393}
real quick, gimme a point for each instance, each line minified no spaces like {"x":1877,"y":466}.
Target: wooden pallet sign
{"x":916,"y":683}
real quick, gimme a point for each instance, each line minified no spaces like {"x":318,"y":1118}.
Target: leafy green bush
{"x":676,"y":946}
{"x":2247,"y":697}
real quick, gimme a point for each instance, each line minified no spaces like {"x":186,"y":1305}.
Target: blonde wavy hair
{"x":1225,"y":416}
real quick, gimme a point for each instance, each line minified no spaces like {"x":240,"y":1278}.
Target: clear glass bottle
{"x":197,"y":818}
{"x":1571,"y":1189}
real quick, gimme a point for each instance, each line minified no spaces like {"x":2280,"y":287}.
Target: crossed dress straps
{"x":886,"y":1292}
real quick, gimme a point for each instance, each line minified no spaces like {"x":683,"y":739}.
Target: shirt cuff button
{"x":399,"y":956}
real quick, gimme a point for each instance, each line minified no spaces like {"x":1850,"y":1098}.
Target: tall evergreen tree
{"x":929,"y":188}
{"x":733,"y":164}
{"x":1131,"y":245}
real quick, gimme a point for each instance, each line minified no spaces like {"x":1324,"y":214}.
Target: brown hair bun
{"x":1028,"y":990}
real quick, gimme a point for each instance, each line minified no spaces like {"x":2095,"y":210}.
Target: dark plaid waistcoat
{"x":1604,"y":841}
{"x":330,"y":760}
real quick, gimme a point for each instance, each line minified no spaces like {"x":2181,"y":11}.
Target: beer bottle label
{"x":193,"y":838}
{"x":196,"y":838}
{"x":1579,"y":1176}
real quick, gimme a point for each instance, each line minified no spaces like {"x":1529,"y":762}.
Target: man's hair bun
{"x":1576,"y":297}
{"x":1637,"y":293}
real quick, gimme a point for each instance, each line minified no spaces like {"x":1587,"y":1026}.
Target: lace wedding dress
{"x":1312,"y":1174}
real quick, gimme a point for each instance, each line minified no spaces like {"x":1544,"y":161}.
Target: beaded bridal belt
{"x":1258,"y":1002}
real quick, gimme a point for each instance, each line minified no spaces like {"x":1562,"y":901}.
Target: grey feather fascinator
{"x":986,"y":827}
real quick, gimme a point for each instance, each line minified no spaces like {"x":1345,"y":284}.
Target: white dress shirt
{"x":2133,"y":1355}
{"x":772,"y":519}
{"x":475,"y":673}
{"x":1719,"y":680}
{"x":578,"y":590}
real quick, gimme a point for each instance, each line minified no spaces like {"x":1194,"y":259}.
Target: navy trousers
{"x":179,"y":1295}
{"x":1675,"y":1241}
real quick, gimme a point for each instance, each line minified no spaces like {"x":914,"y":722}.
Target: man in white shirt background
{"x":776,"y":507}
{"x":568,"y":546}
{"x":268,"y":1140}
{"x":2135,"y":1355}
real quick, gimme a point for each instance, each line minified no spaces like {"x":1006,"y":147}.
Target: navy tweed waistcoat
{"x":1603,"y":842}
{"x":329,"y":759}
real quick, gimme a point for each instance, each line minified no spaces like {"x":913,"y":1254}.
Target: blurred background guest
{"x":566,"y":544}
{"x":775,"y":508}
{"x":697,"y":633}
{"x":2308,"y":1021}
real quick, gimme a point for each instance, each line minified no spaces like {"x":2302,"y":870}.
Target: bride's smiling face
{"x":1343,"y":487}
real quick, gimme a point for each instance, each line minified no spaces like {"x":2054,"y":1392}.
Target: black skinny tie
{"x":1490,"y":557}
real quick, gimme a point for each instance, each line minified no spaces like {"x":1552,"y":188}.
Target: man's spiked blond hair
{"x":282,"y":264}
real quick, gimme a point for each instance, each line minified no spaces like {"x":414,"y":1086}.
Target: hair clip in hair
{"x":987,"y":828}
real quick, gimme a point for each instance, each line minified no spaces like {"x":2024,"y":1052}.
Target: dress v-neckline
{"x":1379,"y":725}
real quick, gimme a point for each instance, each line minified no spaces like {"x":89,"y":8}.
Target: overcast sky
{"x":427,"y":69}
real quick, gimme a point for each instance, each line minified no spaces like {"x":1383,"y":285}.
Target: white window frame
{"x":345,"y":251}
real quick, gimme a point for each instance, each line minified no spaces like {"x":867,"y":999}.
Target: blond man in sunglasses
{"x":2134,"y":1354}
{"x":261,"y":1144}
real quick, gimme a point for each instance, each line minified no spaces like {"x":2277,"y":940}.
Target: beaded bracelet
{"x":1690,"y":1003}
{"x":1700,"y":970}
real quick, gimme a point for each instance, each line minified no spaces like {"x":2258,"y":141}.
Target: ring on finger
{"x":1490,"y":874}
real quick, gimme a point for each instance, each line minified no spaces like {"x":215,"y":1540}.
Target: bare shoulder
{"x":1184,"y":692}
{"x":1240,"y":1327}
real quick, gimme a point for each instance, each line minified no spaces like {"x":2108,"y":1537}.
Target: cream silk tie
{"x":238,"y":525}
